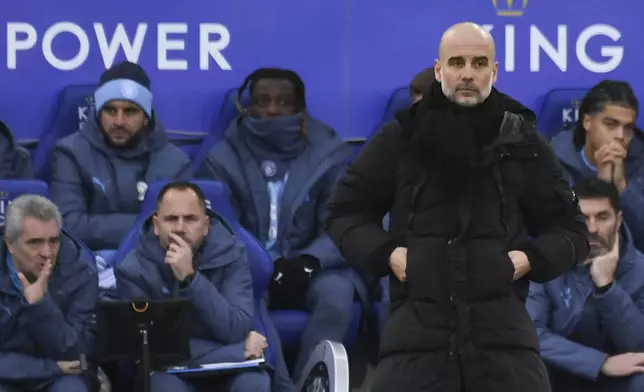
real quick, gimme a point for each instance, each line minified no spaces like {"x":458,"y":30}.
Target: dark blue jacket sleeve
{"x":632,"y":203}
{"x":97,"y":231}
{"x":127,"y":288}
{"x":186,"y":171}
{"x":322,"y":247}
{"x":22,"y":168}
{"x":23,"y":367}
{"x":556,"y":350}
{"x":622,"y":318}
{"x":210,"y":169}
{"x":62,"y":336}
{"x":227,"y":311}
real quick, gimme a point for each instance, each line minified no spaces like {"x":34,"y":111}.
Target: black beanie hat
{"x":126,"y":70}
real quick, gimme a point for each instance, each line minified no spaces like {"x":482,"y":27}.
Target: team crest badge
{"x":269,"y":168}
{"x":141,"y":188}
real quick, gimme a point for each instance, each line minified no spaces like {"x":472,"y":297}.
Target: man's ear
{"x":9,"y":245}
{"x":155,"y":224}
{"x":438,"y":74}
{"x":208,"y":225}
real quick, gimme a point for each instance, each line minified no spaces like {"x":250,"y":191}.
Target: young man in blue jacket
{"x":15,"y":161}
{"x":100,"y":173}
{"x":605,"y":143}
{"x":181,"y":253}
{"x":280,"y":165}
{"x":590,"y":320}
{"x":48,"y":290}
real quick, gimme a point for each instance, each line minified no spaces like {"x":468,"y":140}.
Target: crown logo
{"x":510,"y":7}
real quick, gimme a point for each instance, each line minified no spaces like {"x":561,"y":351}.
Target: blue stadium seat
{"x":70,"y":111}
{"x":559,"y":110}
{"x":10,"y":189}
{"x":381,"y":309}
{"x":398,"y":101}
{"x":290,"y":325}
{"x":227,"y":113}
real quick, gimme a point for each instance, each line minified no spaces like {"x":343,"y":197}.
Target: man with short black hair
{"x":182,"y":253}
{"x":48,"y":290}
{"x":590,"y":320}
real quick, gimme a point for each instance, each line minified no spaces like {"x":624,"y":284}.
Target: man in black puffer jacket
{"x":478,"y":208}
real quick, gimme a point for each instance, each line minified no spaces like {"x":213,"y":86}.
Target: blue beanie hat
{"x":125,"y":81}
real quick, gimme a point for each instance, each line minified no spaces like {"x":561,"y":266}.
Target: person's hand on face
{"x":179,"y":257}
{"x":35,"y":292}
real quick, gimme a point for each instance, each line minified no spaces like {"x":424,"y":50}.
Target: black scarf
{"x":450,"y":139}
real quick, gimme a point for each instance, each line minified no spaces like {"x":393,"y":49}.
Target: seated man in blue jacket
{"x":590,"y":322}
{"x":100,"y":173}
{"x":181,"y":253}
{"x":606,"y":144}
{"x":280,"y":165}
{"x":15,"y":162}
{"x":48,"y":290}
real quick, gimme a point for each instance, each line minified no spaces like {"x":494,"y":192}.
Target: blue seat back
{"x":227,"y":113}
{"x":70,"y":112}
{"x":10,"y":189}
{"x":217,"y":200}
{"x":559,"y":110}
{"x":398,"y":101}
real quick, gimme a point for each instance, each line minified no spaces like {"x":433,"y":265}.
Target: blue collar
{"x":13,"y":274}
{"x":585,"y":161}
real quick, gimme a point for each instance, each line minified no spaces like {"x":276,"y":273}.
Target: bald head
{"x":466,"y":66}
{"x":467,"y":34}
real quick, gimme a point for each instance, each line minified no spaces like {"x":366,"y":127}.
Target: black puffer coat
{"x":459,"y":322}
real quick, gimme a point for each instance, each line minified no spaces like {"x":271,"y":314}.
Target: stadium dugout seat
{"x":10,"y":189}
{"x":227,"y":113}
{"x":70,"y":112}
{"x":217,"y":199}
{"x":559,"y":110}
{"x":398,"y":100}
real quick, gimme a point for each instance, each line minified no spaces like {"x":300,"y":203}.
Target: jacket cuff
{"x":195,"y":280}
{"x":538,"y":266}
